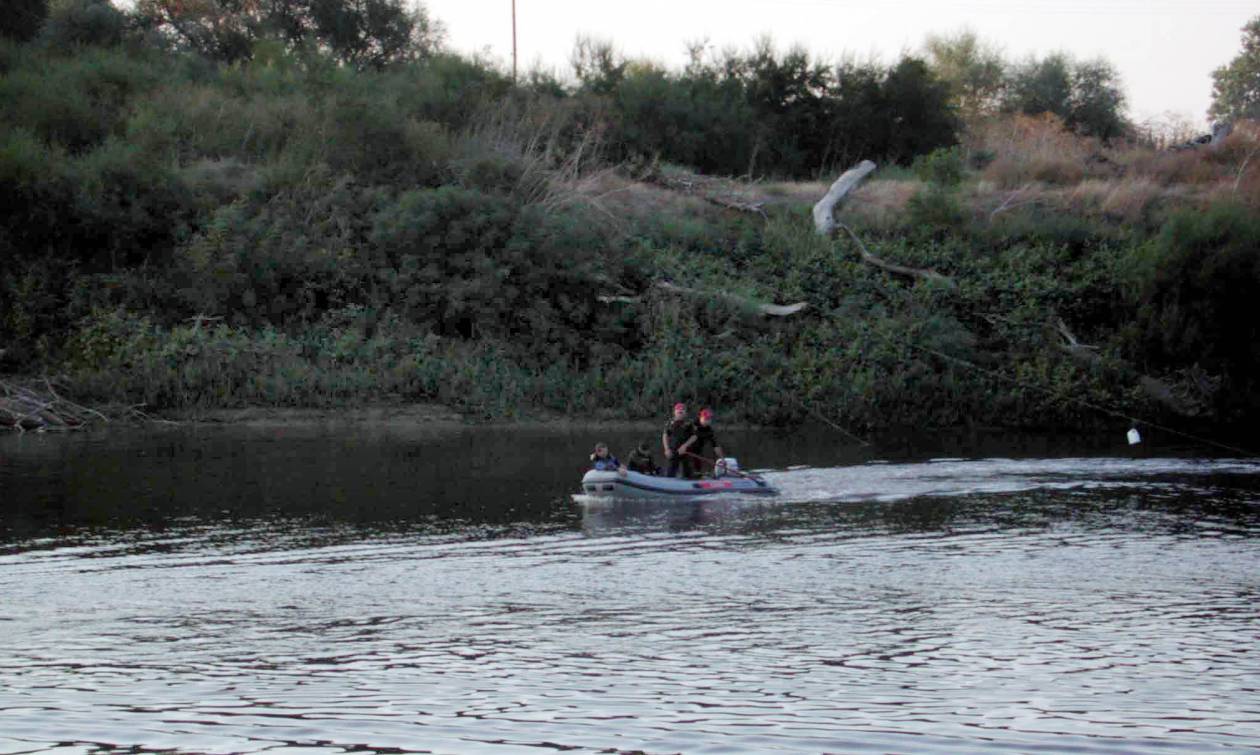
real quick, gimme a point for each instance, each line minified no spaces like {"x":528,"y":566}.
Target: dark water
{"x":346,"y":590}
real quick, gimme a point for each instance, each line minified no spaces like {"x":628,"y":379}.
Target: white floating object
{"x":1134,"y":436}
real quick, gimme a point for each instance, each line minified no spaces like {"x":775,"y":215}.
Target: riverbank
{"x":73,"y":416}
{"x":184,"y":250}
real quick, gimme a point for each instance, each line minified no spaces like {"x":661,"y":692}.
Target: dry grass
{"x":1027,"y":149}
{"x":628,"y":203}
{"x":1128,"y":201}
{"x":1036,"y":163}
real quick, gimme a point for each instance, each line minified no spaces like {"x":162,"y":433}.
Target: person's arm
{"x":665,"y":442}
{"x":687,"y":444}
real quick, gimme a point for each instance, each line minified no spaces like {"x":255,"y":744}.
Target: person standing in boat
{"x":703,"y":438}
{"x":678,"y":432}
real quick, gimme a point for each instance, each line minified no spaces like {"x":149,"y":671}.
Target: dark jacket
{"x":641,"y":461}
{"x":677,"y":431}
{"x":704,"y":437}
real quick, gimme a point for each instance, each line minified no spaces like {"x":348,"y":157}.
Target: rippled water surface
{"x":247,"y":590}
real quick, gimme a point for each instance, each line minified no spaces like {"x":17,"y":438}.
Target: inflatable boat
{"x":599,"y":484}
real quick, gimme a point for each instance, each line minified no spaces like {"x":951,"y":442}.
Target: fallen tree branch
{"x":81,"y":409}
{"x":825,"y":211}
{"x":826,"y":224}
{"x":769,"y":310}
{"x":762,"y":308}
{"x":711,"y":190}
{"x":1160,"y":391}
{"x":892,"y":267}
{"x":26,"y":407}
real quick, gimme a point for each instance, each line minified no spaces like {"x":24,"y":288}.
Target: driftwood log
{"x":826,"y":224}
{"x":28,"y":407}
{"x":714,"y":191}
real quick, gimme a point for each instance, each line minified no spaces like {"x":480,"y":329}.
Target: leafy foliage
{"x":1236,"y":85}
{"x":301,"y":227}
{"x":1086,"y":95}
{"x":973,"y":70}
{"x":84,"y":22}
{"x":763,"y":112}
{"x":360,"y":33}
{"x":1196,"y":285}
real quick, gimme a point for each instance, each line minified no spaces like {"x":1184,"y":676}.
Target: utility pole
{"x":513,"y":41}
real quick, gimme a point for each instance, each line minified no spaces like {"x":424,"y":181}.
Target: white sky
{"x":1165,"y":50}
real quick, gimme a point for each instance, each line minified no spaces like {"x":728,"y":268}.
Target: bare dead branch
{"x":1160,"y":391}
{"x":826,"y":208}
{"x":826,"y":224}
{"x":763,"y":308}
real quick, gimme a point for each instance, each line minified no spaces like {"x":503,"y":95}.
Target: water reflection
{"x":394,"y":592}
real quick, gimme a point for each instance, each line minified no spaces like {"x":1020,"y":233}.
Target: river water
{"x":331,"y":589}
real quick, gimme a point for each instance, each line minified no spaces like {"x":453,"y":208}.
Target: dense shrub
{"x":941,"y":167}
{"x":1196,"y":288}
{"x":1086,"y":95}
{"x":473,"y":264}
{"x":73,"y":23}
{"x":762,"y":112}
{"x":363,"y":34}
{"x":75,"y":101}
{"x":301,"y":228}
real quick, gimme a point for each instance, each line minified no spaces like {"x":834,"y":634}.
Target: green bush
{"x":129,"y":210}
{"x":1196,"y":285}
{"x":36,"y":217}
{"x":942,"y":167}
{"x":75,"y":101}
{"x":934,"y":211}
{"x":73,"y":23}
{"x":473,"y":265}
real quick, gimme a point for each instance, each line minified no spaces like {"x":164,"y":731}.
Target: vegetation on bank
{"x":316,"y":220}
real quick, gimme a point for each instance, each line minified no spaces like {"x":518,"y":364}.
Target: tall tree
{"x":1086,"y":95}
{"x":1236,"y":86}
{"x":918,"y":112}
{"x":361,"y":33}
{"x":1040,"y":86}
{"x":597,"y":64}
{"x":973,"y":70}
{"x":1097,"y":102}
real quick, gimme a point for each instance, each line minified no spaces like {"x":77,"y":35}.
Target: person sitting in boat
{"x":703,"y":438}
{"x":603,"y":460}
{"x":640,"y":460}
{"x":678,"y":431}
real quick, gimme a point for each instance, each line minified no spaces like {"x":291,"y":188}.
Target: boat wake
{"x":956,"y":477}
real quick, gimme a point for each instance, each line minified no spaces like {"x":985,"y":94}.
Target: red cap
{"x":680,"y":406}
{"x":706,"y":413}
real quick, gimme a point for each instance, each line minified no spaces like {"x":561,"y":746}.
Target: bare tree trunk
{"x":826,"y":224}
{"x":825,"y":211}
